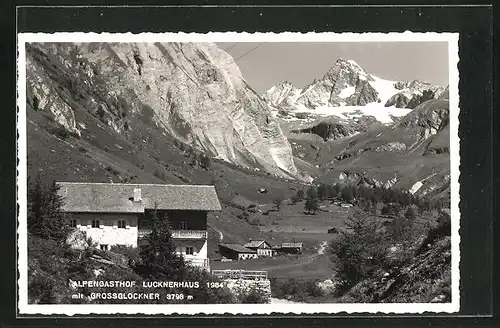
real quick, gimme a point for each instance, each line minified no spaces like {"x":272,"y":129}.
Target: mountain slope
{"x":194,"y":92}
{"x":412,"y":154}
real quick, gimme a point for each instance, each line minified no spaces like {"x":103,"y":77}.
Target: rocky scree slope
{"x":425,"y":278}
{"x":193,"y":92}
{"x":412,"y":154}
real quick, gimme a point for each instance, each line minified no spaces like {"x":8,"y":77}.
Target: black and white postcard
{"x":238,"y":173}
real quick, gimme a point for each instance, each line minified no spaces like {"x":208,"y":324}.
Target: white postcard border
{"x":193,"y":309}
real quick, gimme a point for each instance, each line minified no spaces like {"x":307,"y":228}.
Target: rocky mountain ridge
{"x":194,"y":92}
{"x":347,"y":90}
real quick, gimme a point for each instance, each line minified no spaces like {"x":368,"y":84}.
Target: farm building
{"x":236,"y":252}
{"x":262,"y":247}
{"x":333,"y":230}
{"x":122,"y":214}
{"x":289,"y":248}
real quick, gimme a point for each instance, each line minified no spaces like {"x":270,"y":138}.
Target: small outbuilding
{"x":262,"y":247}
{"x":333,"y":230}
{"x":289,"y":248}
{"x":236,"y":252}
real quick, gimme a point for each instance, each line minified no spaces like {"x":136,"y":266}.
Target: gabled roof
{"x":291,"y":245}
{"x":118,"y":197}
{"x":237,"y":248}
{"x":254,"y":243}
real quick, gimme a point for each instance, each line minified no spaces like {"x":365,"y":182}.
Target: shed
{"x":333,"y":230}
{"x":289,"y":248}
{"x":236,"y":252}
{"x":262,"y":247}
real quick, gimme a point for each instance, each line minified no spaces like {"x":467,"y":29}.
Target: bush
{"x":296,"y":289}
{"x":41,"y":290}
{"x":61,"y":132}
{"x":253,"y":297}
{"x":204,"y":161}
{"x":277,"y":203}
{"x":131,"y":253}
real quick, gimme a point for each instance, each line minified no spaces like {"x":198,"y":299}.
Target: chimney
{"x":137,"y":195}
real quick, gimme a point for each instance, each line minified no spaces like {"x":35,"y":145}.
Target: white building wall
{"x":264,"y":252}
{"x":108,"y":233}
{"x":199,"y":253}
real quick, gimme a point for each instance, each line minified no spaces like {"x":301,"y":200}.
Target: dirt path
{"x":322,"y":247}
{"x":221,"y":235}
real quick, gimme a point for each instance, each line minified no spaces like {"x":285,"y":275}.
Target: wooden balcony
{"x":178,"y":234}
{"x":189,"y":234}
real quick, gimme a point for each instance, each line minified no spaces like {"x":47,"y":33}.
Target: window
{"x":95,"y":224}
{"x":122,"y":224}
{"x":73,"y":223}
{"x":189,"y":250}
{"x":144,"y":224}
{"x":104,"y":247}
{"x":183,"y":225}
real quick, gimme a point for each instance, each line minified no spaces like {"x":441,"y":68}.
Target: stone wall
{"x":246,"y":286}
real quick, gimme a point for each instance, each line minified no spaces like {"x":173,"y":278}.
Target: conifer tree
{"x":158,"y":257}
{"x":45,"y":216}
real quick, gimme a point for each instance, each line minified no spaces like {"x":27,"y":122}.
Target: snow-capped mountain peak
{"x":347,"y":90}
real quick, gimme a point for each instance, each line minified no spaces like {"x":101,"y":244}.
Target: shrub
{"x":254,"y":296}
{"x":296,"y":289}
{"x":61,"y":132}
{"x":277,"y":203}
{"x":204,"y":161}
{"x":301,"y":115}
{"x":131,"y":253}
{"x":41,"y":290}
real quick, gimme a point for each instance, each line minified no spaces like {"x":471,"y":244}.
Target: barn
{"x":236,"y":252}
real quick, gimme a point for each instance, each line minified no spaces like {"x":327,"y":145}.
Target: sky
{"x":268,"y":63}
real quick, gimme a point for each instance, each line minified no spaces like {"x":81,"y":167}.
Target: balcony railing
{"x":141,"y":233}
{"x":178,"y":234}
{"x":205,"y":263}
{"x":240,"y":274}
{"x":189,"y":234}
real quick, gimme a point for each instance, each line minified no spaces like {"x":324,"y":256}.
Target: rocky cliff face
{"x":413,"y":94}
{"x":348,"y":91}
{"x":411,"y":154}
{"x":195,"y":92}
{"x":345,"y":84}
{"x":282,"y":95}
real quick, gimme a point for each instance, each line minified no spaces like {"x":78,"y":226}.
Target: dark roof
{"x":291,"y":245}
{"x":237,"y":248}
{"x":116,"y":197}
{"x":254,"y":243}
